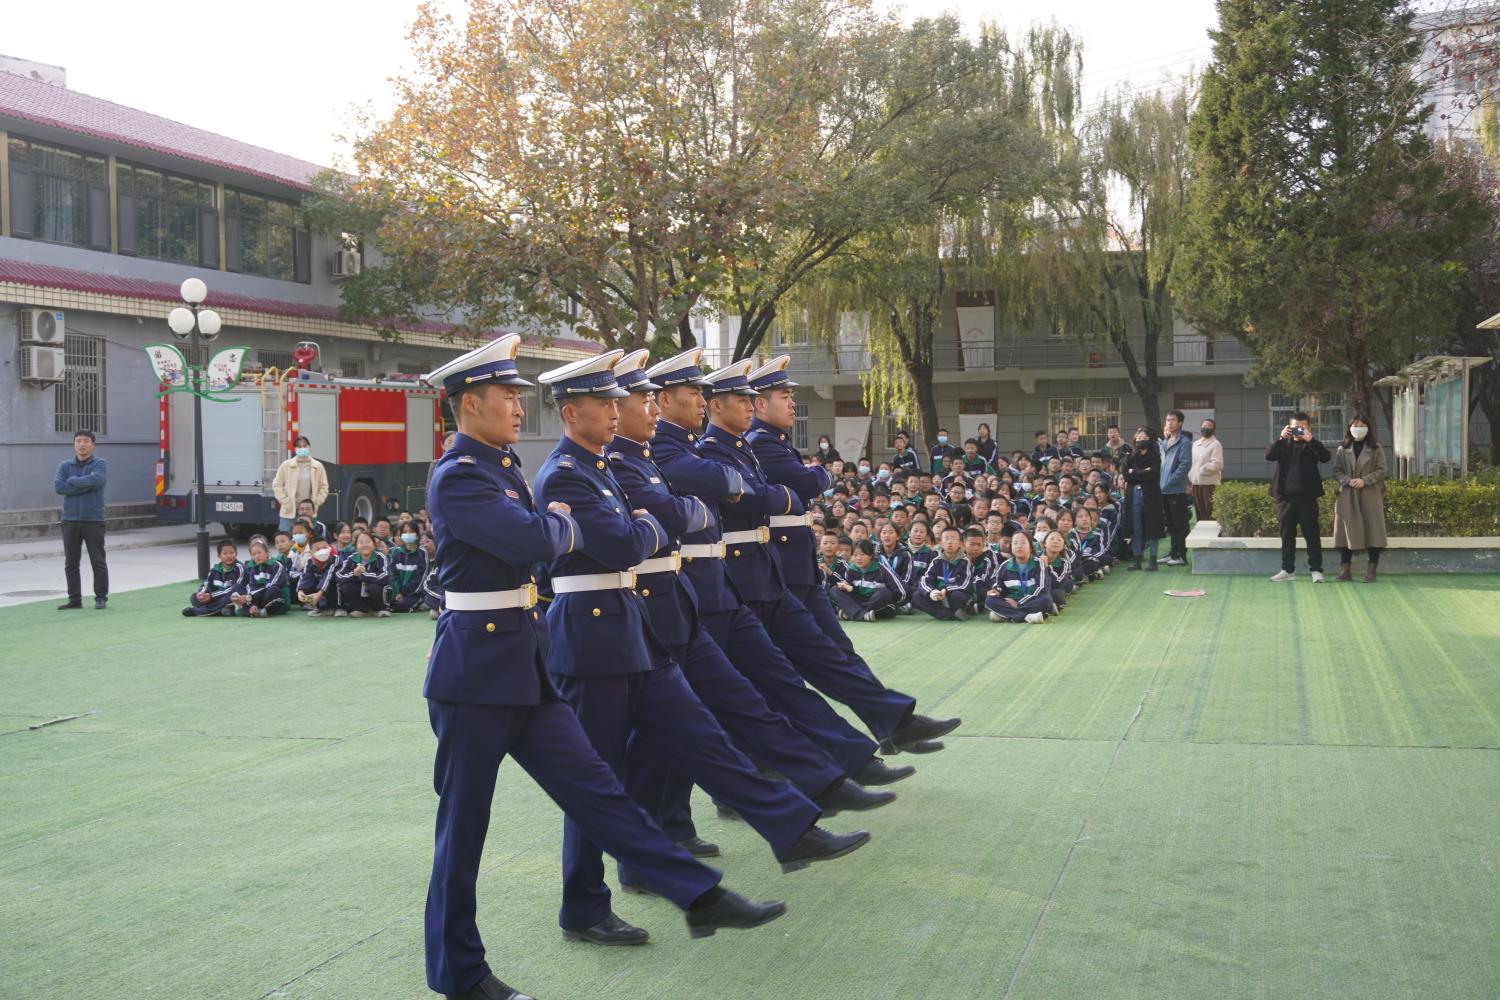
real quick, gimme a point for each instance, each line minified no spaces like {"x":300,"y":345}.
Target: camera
{"x":1298,"y":431}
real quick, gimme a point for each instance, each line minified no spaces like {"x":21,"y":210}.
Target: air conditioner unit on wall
{"x":42,"y":364}
{"x":41,"y":326}
{"x":345,"y":263}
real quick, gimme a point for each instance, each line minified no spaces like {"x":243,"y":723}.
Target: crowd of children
{"x":354,"y":569}
{"x":975,"y":531}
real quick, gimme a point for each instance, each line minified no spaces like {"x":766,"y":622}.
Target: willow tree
{"x":1098,"y":254}
{"x":596,"y":158}
{"x":945,"y":183}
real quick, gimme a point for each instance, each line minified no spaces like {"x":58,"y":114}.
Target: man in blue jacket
{"x":1176,"y":459}
{"x":80,"y":482}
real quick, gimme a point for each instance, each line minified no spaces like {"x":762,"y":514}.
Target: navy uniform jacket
{"x":597,"y":633}
{"x":675,"y":452}
{"x":377,"y":570}
{"x":408,"y":570}
{"x":669,"y":598}
{"x":488,"y":535}
{"x":955,"y":576}
{"x":985,"y":568}
{"x":753,"y":567}
{"x":223,"y":579}
{"x":905,"y":459}
{"x":316,"y":580}
{"x":938,"y":455}
{"x":866,"y":580}
{"x":257,"y":579}
{"x":782,"y":465}
{"x":1018,"y":582}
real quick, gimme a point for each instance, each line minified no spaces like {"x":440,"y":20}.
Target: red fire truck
{"x":375,"y":439}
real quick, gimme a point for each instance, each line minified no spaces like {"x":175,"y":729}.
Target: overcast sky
{"x":289,"y":75}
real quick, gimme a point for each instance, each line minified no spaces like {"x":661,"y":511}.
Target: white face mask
{"x":1358,"y":433}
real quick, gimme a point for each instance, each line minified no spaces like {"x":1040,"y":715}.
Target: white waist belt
{"x":593,"y":581}
{"x":666,"y":564}
{"x":758,"y":536}
{"x":791,"y":520}
{"x":714,"y":550}
{"x":491,"y":600}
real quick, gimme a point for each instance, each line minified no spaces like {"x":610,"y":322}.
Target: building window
{"x":1325,"y":408}
{"x":280,"y":360}
{"x":890,"y":426}
{"x":791,"y":331}
{"x":351,"y":368}
{"x":1092,"y":415}
{"x":80,"y":397}
{"x":166,"y":217}
{"x":531,"y":405}
{"x":799,"y":430}
{"x":263,"y":236}
{"x":58,"y":195}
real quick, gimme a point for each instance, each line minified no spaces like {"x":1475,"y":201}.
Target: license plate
{"x":229,"y":506}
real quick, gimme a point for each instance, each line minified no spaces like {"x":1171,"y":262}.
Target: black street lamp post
{"x":199,"y":327}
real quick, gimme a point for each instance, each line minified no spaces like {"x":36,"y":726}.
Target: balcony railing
{"x":1181,"y":352}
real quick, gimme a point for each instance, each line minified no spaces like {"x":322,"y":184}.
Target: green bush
{"x":1414,"y":507}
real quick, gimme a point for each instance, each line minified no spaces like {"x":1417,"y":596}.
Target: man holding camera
{"x":1296,"y":486}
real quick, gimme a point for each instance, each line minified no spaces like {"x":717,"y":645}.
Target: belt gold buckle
{"x":676,"y":562}
{"x":765,"y":534}
{"x":631,"y":574}
{"x":720,"y":548}
{"x":528,"y":596}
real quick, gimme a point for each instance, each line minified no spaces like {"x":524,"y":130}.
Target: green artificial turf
{"x":1272,"y":791}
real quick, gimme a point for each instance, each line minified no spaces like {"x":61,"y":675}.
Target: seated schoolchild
{"x":432,"y":587}
{"x":946,"y":590}
{"x":215,"y":595}
{"x":983,"y":563}
{"x":307,"y":511}
{"x":829,"y":562}
{"x":263,"y":584}
{"x":1058,"y":563}
{"x":317,"y":588}
{"x":408,"y":572}
{"x":362,"y":578}
{"x":1020,"y":593}
{"x":302,"y":539}
{"x":343,"y":540}
{"x":383,"y":534}
{"x":918,"y":543}
{"x":869,"y":588}
{"x":895,"y":555}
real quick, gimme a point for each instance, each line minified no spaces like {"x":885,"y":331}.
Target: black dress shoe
{"x":727,"y":813}
{"x":611,"y":930}
{"x":100,"y":603}
{"x":921,"y":746}
{"x":877,"y":772}
{"x":851,"y":796}
{"x":819,"y":844}
{"x":700,"y":848}
{"x":732,"y":912}
{"x":70,"y":606}
{"x":919,"y":728}
{"x":489,"y":988}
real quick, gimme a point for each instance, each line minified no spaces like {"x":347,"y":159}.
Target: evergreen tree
{"x":1320,"y":228}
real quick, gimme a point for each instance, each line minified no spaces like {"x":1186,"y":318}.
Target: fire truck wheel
{"x":361,"y":503}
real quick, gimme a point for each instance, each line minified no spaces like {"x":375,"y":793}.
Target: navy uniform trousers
{"x":660,"y":708}
{"x":550,"y":745}
{"x":822,"y":653}
{"x":657,"y":783}
{"x":740,"y":635}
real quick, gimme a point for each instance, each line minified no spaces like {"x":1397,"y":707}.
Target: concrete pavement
{"x":32,"y":569}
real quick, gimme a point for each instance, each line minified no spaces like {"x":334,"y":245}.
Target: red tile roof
{"x":45,"y":276}
{"x":47,"y":104}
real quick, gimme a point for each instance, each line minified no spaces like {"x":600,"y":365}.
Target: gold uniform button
{"x":646,"y":452}
{"x":739,"y":444}
{"x":692,"y":437}
{"x":600,"y":464}
{"x":535,"y":616}
{"x":489,"y":626}
{"x":646,"y":592}
{"x":597,"y":612}
{"x":783,"y":538}
{"x":505,"y":461}
{"x":736,"y":551}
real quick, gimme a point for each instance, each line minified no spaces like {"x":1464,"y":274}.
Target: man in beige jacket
{"x":300,"y":477}
{"x":1207,"y":470}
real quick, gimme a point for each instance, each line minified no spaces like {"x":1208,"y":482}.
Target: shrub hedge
{"x":1413,"y":507}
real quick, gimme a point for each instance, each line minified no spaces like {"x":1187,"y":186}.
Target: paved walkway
{"x":32,"y":569}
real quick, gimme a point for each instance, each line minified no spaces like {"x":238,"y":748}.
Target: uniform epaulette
{"x":564,"y":461}
{"x":708,"y":440}
{"x":614,"y":456}
{"x":467,"y":460}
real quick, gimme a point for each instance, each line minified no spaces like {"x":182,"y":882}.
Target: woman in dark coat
{"x":1142,"y":519}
